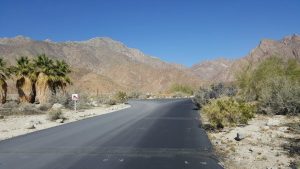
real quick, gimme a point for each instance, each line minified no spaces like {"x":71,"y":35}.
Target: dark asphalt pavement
{"x":154,"y":134}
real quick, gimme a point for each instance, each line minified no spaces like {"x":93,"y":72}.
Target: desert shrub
{"x":9,"y":108}
{"x":10,"y":105}
{"x":227,"y":111}
{"x":279,"y":96}
{"x":143,"y":96}
{"x":203,"y":95}
{"x":180,"y":88}
{"x":55,"y":114}
{"x":106,"y":99}
{"x":274,"y":84}
{"x":62,"y":99}
{"x":134,"y":95}
{"x":111,"y":102}
{"x":26,"y":109}
{"x":120,"y":97}
{"x":67,"y":102}
{"x":45,"y":107}
{"x":13,"y":108}
{"x":101,"y":99}
{"x":221,"y":89}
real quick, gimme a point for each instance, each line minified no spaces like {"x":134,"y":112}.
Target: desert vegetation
{"x":228,"y":111}
{"x":4,"y":74}
{"x":55,"y":114}
{"x":40,"y":80}
{"x":272,"y":87}
{"x":262,"y":106}
{"x":181,"y":90}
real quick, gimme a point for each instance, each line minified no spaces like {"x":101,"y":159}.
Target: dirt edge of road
{"x":12,"y":126}
{"x":267,"y":142}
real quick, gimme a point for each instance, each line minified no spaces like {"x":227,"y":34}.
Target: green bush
{"x":280,"y":96}
{"x":227,"y":111}
{"x":55,"y":114}
{"x":179,"y":88}
{"x":274,"y":84}
{"x":203,"y":95}
{"x":121,"y":97}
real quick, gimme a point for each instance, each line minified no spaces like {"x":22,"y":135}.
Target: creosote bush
{"x":203,"y":95}
{"x":274,"y":84}
{"x":280,"y":97}
{"x":55,"y":114}
{"x":227,"y":111}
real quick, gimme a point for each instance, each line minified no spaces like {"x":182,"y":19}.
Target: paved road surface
{"x":157,"y":134}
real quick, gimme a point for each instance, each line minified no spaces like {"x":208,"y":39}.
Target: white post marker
{"x":75,"y":97}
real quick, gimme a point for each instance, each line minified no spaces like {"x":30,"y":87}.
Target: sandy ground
{"x":12,"y":126}
{"x":262,"y":146}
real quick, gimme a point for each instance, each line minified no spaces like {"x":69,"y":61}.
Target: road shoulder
{"x":12,"y":126}
{"x":267,"y":142}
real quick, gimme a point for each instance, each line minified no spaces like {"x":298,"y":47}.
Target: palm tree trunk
{"x":3,"y":91}
{"x":25,"y":89}
{"x":43,"y":90}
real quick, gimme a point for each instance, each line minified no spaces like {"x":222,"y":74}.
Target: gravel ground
{"x":265,"y":144}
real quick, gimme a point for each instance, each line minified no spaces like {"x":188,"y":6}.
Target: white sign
{"x":75,"y":97}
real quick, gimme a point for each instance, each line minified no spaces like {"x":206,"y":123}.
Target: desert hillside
{"x":224,"y":70}
{"x":102,"y":64}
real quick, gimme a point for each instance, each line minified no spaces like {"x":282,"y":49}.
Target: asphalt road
{"x":157,"y":134}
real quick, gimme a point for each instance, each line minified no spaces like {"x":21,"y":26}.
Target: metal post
{"x":75,"y":106}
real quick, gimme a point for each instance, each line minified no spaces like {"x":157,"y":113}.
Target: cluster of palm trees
{"x":37,"y":79}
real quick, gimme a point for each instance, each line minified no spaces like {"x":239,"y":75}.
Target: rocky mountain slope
{"x":102,"y":64}
{"x":212,"y":70}
{"x":225,"y":70}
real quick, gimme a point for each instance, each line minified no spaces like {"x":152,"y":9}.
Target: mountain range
{"x":224,"y":70}
{"x":103,"y":65}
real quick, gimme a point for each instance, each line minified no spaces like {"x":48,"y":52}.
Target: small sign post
{"x":75,"y":97}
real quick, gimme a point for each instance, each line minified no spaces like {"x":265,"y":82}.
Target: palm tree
{"x":24,"y":71}
{"x":45,"y":72}
{"x":61,"y":78}
{"x":4,"y":74}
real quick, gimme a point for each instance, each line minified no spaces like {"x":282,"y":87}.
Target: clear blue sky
{"x":180,"y":31}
